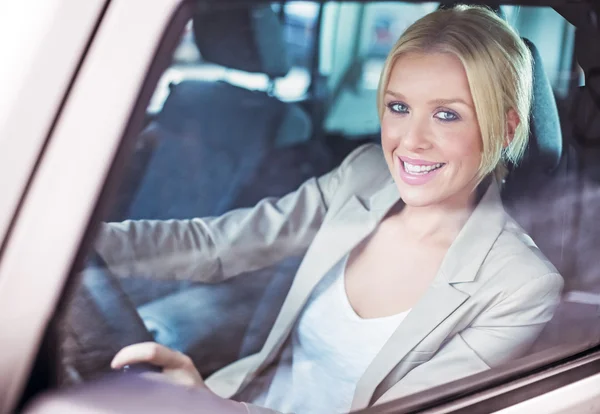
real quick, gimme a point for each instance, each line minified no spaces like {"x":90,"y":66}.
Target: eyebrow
{"x":434,"y":102}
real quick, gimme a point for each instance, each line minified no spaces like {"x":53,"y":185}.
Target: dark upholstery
{"x":214,"y":136}
{"x":577,"y":319}
{"x":211,"y":136}
{"x":585,"y":111}
{"x":534,"y":195}
{"x":247,"y":39}
{"x":538,"y":175}
{"x":217,"y":324}
{"x":210,"y":139}
{"x":545,"y":140}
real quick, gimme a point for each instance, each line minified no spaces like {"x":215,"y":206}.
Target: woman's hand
{"x":176,"y":367}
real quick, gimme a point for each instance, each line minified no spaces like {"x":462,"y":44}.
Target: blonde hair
{"x":498,"y":65}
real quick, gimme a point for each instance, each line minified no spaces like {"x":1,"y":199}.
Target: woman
{"x":413,"y":275}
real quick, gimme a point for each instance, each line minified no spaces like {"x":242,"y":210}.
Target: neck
{"x":439,"y":223}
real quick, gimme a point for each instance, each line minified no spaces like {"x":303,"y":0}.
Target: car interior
{"x":214,"y":145}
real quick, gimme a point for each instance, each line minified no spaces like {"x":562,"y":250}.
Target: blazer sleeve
{"x":501,"y":334}
{"x":213,"y":249}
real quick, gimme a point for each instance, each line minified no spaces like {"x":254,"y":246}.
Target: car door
{"x":95,"y":109}
{"x":76,"y":175}
{"x":35,"y":76}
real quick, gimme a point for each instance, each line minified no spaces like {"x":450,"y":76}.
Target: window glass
{"x":234,"y":183}
{"x":533,"y":23}
{"x":299,"y":20}
{"x":380,"y":26}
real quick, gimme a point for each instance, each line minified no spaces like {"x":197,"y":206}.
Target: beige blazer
{"x":488,"y":302}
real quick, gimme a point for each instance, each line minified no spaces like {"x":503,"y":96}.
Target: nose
{"x":416,"y":135}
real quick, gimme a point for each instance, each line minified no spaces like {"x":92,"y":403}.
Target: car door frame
{"x":118,"y":73}
{"x":36,"y":83}
{"x":67,"y":187}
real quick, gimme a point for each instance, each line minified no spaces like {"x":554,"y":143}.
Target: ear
{"x":512,"y":122}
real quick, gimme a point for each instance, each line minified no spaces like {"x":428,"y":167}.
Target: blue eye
{"x":446,"y":116}
{"x":398,"y":107}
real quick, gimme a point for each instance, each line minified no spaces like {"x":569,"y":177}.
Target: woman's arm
{"x":501,"y":334}
{"x":215,"y":248}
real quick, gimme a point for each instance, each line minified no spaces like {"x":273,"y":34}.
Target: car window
{"x":383,"y":22}
{"x":299,"y":21}
{"x":229,"y":234}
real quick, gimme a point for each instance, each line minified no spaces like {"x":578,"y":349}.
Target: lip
{"x":414,"y":161}
{"x":411,"y":179}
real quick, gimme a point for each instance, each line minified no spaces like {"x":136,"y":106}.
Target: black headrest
{"x":544,"y":150}
{"x":545,"y":138}
{"x":243,"y":38}
{"x":585,"y":109}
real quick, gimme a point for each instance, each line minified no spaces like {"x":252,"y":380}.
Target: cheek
{"x":464,"y":146}
{"x":386,"y":135}
{"x":388,"y":142}
{"x":391,"y":132}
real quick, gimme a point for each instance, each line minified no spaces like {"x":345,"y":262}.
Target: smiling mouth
{"x":415,"y":169}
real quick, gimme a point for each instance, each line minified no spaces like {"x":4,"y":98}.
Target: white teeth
{"x":420,"y":169}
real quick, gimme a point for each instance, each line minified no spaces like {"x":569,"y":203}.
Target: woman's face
{"x":429,"y":130}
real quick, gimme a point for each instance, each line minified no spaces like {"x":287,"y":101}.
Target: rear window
{"x":299,"y":22}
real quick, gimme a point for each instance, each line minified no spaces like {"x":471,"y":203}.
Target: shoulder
{"x":364,"y":158}
{"x":364,"y":170}
{"x":515,"y":264}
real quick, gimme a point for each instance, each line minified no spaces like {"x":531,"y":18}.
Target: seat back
{"x":533,"y":194}
{"x":577,"y":319}
{"x":541,"y":175}
{"x":210,"y":139}
{"x":211,"y":136}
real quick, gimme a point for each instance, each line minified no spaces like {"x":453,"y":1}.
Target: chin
{"x":419,"y":197}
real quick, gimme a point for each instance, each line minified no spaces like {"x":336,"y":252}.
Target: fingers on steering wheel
{"x":150,"y":352}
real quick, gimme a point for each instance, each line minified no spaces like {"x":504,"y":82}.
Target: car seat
{"x":576,"y":320}
{"x":533,"y":194}
{"x":211,"y":136}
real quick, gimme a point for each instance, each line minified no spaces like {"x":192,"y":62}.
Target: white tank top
{"x":330,"y":349}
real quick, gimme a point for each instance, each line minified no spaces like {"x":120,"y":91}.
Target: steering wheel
{"x":99,"y":321}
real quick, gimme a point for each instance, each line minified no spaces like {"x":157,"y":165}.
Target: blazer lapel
{"x":439,"y":301}
{"x":344,"y":231}
{"x":354,"y":221}
{"x":460,"y":265}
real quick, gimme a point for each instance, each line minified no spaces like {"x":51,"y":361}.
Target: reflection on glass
{"x":243,"y":174}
